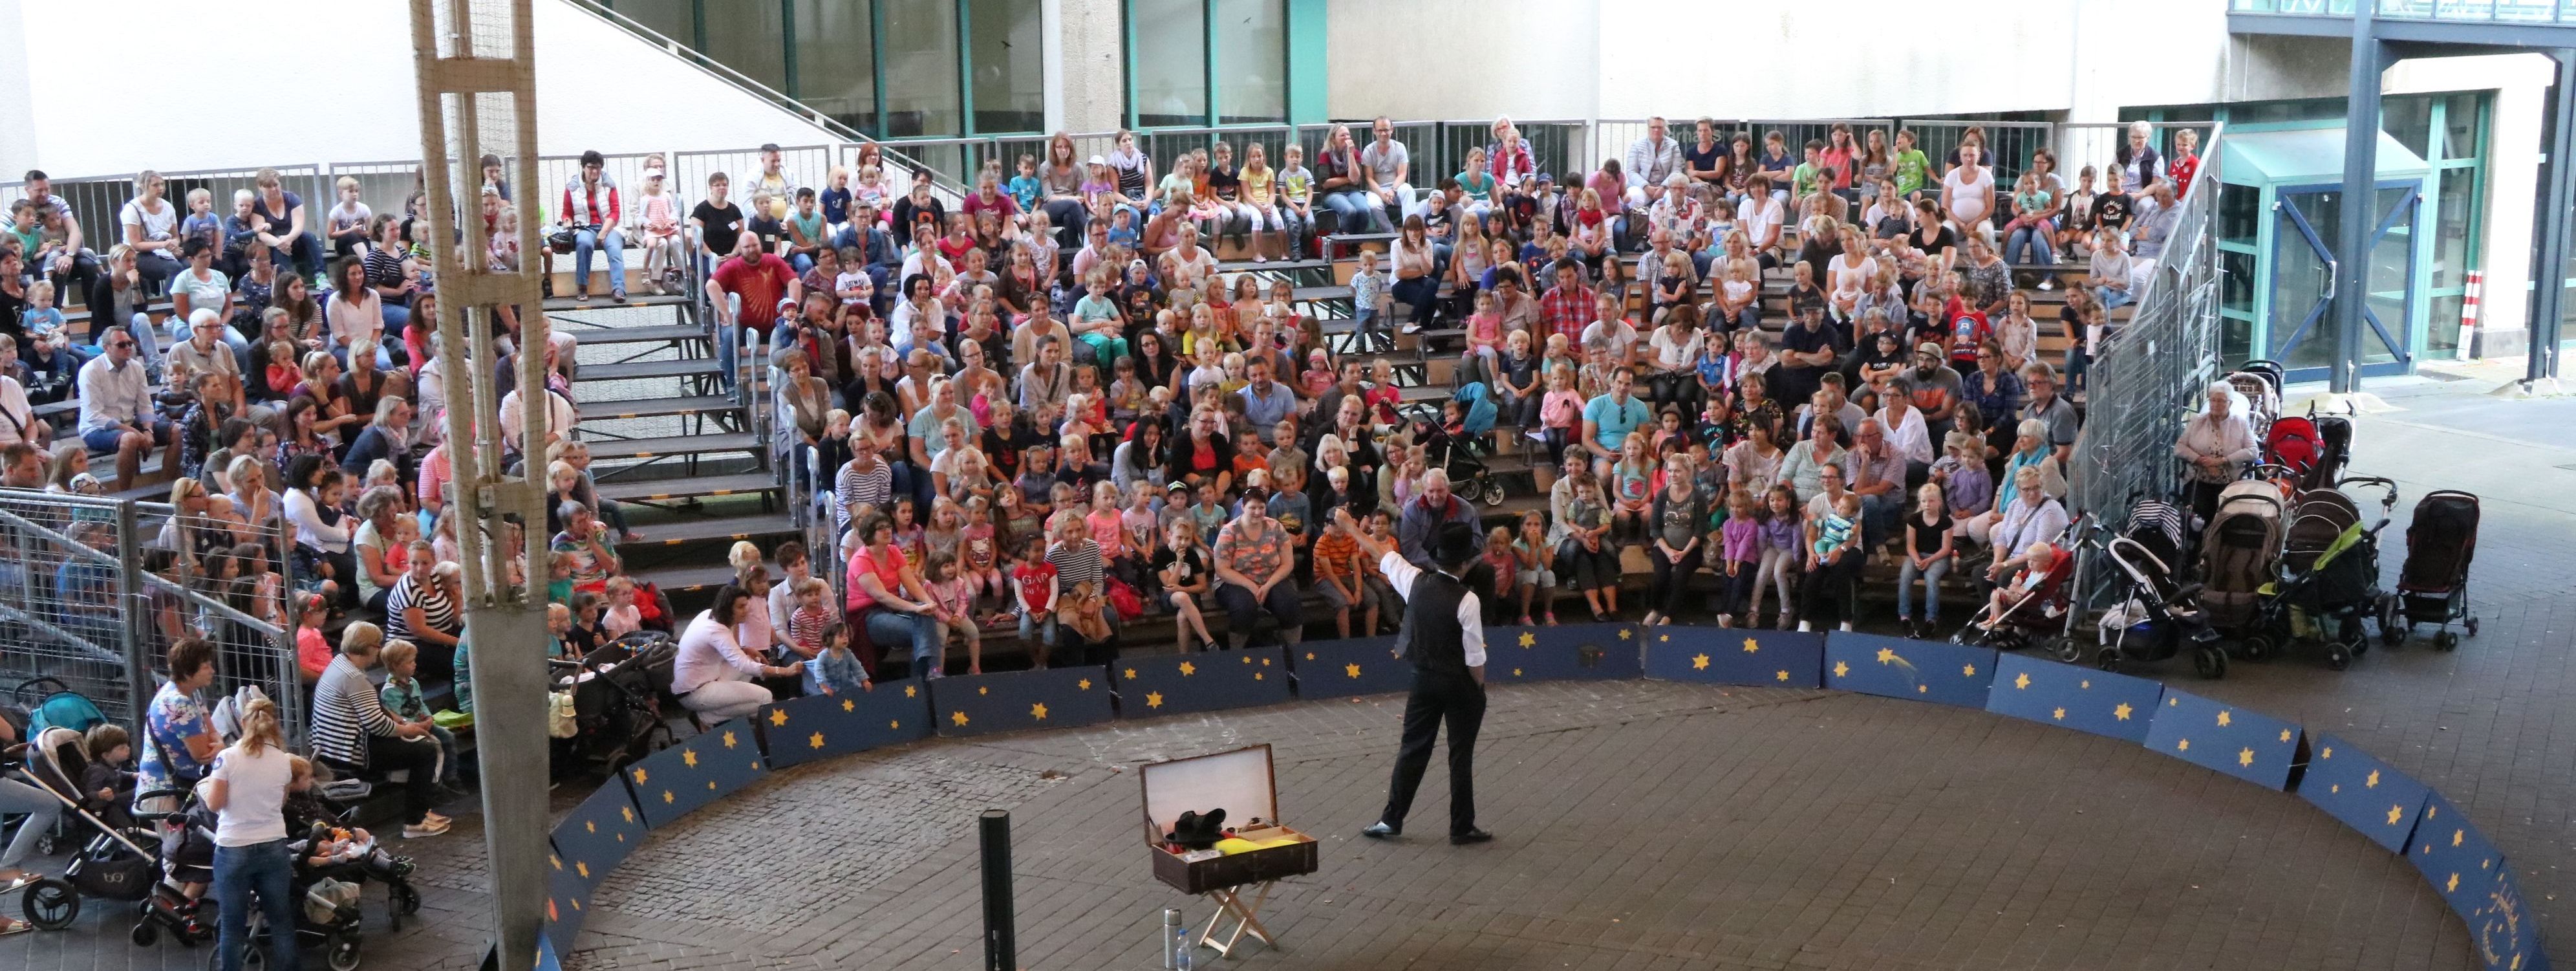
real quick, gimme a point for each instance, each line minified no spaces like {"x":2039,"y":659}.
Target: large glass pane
{"x":2408,"y":119}
{"x":2460,"y":126}
{"x":836,"y":68}
{"x":1005,"y":38}
{"x":1169,"y":61}
{"x":2236,"y":282}
{"x":675,"y":19}
{"x":750,"y":37}
{"x":2442,"y":328}
{"x":2391,"y":298}
{"x":2239,"y":206}
{"x":2456,"y":205}
{"x":1252,"y":61}
{"x":2299,"y":279}
{"x":921,"y":68}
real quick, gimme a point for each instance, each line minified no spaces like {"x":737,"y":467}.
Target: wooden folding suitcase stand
{"x":1242,"y":783}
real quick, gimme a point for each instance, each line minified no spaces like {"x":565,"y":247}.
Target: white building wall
{"x":599,"y":87}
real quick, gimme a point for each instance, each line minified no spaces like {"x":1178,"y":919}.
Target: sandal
{"x":24,"y":878}
{"x":1525,"y":621}
{"x":10,"y":926}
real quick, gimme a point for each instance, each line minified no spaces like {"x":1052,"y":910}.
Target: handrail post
{"x":138,"y":668}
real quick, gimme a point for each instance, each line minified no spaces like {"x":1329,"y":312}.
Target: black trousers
{"x":385,"y":753}
{"x":1672,"y":580}
{"x":1458,"y":700}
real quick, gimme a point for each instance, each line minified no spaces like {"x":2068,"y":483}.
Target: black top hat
{"x":1454,"y":544}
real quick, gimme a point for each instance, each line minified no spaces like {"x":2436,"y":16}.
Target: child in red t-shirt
{"x":1035,"y":579}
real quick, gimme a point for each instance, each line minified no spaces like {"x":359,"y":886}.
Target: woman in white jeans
{"x":713,"y":675}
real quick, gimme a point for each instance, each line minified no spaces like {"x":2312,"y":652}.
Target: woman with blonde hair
{"x":247,"y":792}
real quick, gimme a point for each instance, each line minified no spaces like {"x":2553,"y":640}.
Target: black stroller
{"x":114,"y":861}
{"x":1458,"y":456}
{"x":2433,"y":586}
{"x":617,"y":693}
{"x":2330,"y":574}
{"x":2158,"y":616}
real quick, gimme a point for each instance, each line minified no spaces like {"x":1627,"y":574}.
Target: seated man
{"x":116,"y":413}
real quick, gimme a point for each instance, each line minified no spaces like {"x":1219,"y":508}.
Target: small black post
{"x":1001,"y":950}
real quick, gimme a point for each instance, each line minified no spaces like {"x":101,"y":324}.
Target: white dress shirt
{"x":1471,"y":611}
{"x":112,"y":395}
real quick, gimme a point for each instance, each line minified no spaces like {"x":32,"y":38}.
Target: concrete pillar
{"x":2358,"y":210}
{"x":1085,"y":66}
{"x":2557,"y":195}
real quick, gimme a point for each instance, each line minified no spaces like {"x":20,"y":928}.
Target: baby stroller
{"x":2293,"y":442}
{"x":617,"y":701}
{"x":1456,"y":455}
{"x":2037,"y":616}
{"x":2329,"y":572}
{"x":113,"y":863}
{"x":2433,"y":586}
{"x":2158,"y":616}
{"x":2240,"y":550}
{"x":328,"y":892}
{"x":2259,"y":383}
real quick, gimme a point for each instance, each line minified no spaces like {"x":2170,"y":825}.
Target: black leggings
{"x":1672,"y":580}
{"x":1827,"y":589}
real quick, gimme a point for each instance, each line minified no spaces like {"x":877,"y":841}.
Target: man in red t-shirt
{"x":748,"y":289}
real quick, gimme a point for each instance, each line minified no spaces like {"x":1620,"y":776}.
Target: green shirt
{"x":1806,"y":179}
{"x":1911,"y":165}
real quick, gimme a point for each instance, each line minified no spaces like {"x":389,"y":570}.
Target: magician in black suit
{"x":1444,"y":639}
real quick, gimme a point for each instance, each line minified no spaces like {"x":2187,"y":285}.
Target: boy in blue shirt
{"x":1024,"y":186}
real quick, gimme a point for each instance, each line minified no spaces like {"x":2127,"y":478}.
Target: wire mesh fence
{"x":2144,"y":375}
{"x":65,"y":599}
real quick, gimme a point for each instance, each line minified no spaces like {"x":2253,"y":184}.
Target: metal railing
{"x":2467,"y":11}
{"x":2146,"y":373}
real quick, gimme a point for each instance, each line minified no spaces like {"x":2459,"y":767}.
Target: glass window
{"x":2442,"y":329}
{"x":2409,"y":120}
{"x":2238,"y":207}
{"x":921,"y":91}
{"x":2456,"y":203}
{"x":1252,"y":62}
{"x":836,"y":69}
{"x":1168,"y":64}
{"x":1005,"y":38}
{"x":675,"y":19}
{"x":751,"y":38}
{"x":2236,"y":282}
{"x":2460,"y":126}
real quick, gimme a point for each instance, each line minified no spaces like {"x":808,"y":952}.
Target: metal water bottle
{"x":1175,"y":953}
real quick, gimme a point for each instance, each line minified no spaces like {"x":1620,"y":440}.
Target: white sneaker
{"x":1536,"y":435}
{"x":1847,"y":628}
{"x":424,"y":829}
{"x":1412,"y":327}
{"x":2048,"y":283}
{"x":1802,"y":627}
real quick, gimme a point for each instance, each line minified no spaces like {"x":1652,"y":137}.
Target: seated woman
{"x":713,"y":675}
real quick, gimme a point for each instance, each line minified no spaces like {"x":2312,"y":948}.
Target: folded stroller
{"x":2433,"y":586}
{"x":2158,"y":616}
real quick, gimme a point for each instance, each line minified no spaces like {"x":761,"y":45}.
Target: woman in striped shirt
{"x":421,"y":608}
{"x":353,"y":732}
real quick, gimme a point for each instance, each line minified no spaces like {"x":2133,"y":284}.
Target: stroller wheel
{"x":2445,"y":640}
{"x":1493,"y":494}
{"x":144,"y":934}
{"x":2472,"y":625}
{"x":2209,"y":662}
{"x":2255,"y":647}
{"x":2338,"y":657}
{"x":2065,"y":648}
{"x":2107,"y":659}
{"x":50,"y":904}
{"x":341,"y":952}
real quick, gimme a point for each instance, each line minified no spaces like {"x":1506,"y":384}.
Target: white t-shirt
{"x":1968,"y":185}
{"x":156,"y":225}
{"x":1675,"y":355}
{"x":15,"y":414}
{"x":1621,"y":334}
{"x":254,"y":795}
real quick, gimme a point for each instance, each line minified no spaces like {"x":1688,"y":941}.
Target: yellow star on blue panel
{"x":667,"y":797}
{"x":2336,"y":788}
{"x":1699,"y":663}
{"x":1310,"y":655}
{"x":2223,"y":720}
{"x":1752,"y":646}
{"x":2121,"y":711}
{"x":629,"y":813}
{"x":2453,"y":885}
{"x":894,"y":723}
{"x":1084,"y":684}
{"x":848,"y":706}
{"x":1784,"y":675}
{"x":581,"y":868}
{"x":1256,"y":675}
{"x":1516,"y":672}
{"x":1131,"y":674}
{"x":1247,"y":659}
{"x":1886,"y":655}
{"x":2022,"y":682}
{"x":2059,"y":714}
{"x":2245,"y":757}
{"x":2182,"y":745}
{"x":639,"y":776}
{"x":2285,"y":734}
{"x":983,"y":689}
{"x":1153,"y":699}
{"x":2327,"y":754}
{"x":1664,"y":639}
{"x":777,"y":716}
{"x":1842,"y":670}
{"x":816,"y":741}
{"x":556,"y":860}
{"x":689,"y":757}
{"x":590,"y":825}
{"x":2395,"y":813}
{"x":728,"y":739}
{"x":1624,"y":633}
{"x":959,"y":718}
{"x":1351,"y":669}
{"x":1265,"y":662}
{"x":1038,"y":711}
{"x":2373,"y":781}
{"x":2086,"y":684}
{"x":909,"y":689}
{"x":1188,"y":669}
{"x":1969,"y":670}
{"x":1528,"y":639}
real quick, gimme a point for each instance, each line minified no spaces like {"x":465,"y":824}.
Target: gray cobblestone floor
{"x":1647,"y":825}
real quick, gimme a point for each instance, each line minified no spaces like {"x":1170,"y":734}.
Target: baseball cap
{"x":786,"y":302}
{"x":1929,"y":347}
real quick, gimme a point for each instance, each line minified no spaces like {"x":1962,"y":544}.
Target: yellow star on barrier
{"x":1624,"y":632}
{"x":1886,"y":655}
{"x":2453,"y":885}
{"x":1310,"y":655}
{"x":983,"y":689}
{"x":1265,"y":662}
{"x":728,"y":739}
{"x":1131,"y":674}
{"x":689,"y":757}
{"x":2336,"y":788}
{"x":2285,"y":734}
{"x":1923,"y":689}
{"x":894,"y":723}
{"x":1969,"y":670}
{"x":1842,"y":670}
{"x":2121,"y":711}
{"x":590,"y":825}
{"x":1153,"y":699}
{"x":1247,"y":659}
{"x":2455,"y":837}
{"x":1188,"y":669}
{"x":1351,"y":669}
{"x":1784,"y":675}
{"x":2373,"y":781}
{"x":2173,"y":702}
{"x":1699,"y":663}
{"x":1664,"y":639}
{"x":2245,"y":758}
{"x":848,"y":706}
{"x":959,"y":718}
{"x":2022,"y":682}
{"x":629,"y":813}
{"x":2182,"y":745}
{"x":2395,"y":813}
{"x":1256,"y":675}
{"x":556,"y":860}
{"x":2327,"y":753}
{"x":909,"y":689}
{"x":1528,"y":639}
{"x":1084,"y":684}
{"x":777,"y":717}
{"x":1516,"y":672}
{"x":1038,"y":711}
{"x":2222,"y":719}
{"x":2059,"y":714}
{"x":667,"y":797}
{"x":582,"y":868}
{"x":2086,"y":684}
{"x":816,"y":741}
{"x":1752,"y":646}
{"x":639,"y":776}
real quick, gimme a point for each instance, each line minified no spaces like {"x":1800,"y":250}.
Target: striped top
{"x":435,"y":607}
{"x":1076,"y":563}
{"x":346,"y":710}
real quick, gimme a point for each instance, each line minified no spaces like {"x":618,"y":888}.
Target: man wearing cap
{"x":1443,"y":637}
{"x":747,"y":292}
{"x":1935,"y":389}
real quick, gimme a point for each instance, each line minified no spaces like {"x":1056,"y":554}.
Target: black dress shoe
{"x":1470,"y":836}
{"x":1379,"y":831}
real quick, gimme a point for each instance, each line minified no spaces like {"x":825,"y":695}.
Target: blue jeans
{"x":265,"y":869}
{"x":1419,"y":293}
{"x":887,"y":626}
{"x":2029,"y":240}
{"x":1355,"y":211}
{"x":1931,"y":575}
{"x":1032,"y":628}
{"x":2110,"y":298}
{"x":586,"y":240}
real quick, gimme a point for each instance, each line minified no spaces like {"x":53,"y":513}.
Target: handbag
{"x":1129,"y":605}
{"x":560,"y":241}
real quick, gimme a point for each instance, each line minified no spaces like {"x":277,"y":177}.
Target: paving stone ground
{"x":1649,"y":825}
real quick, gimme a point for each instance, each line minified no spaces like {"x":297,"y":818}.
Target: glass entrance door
{"x":2300,"y":333}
